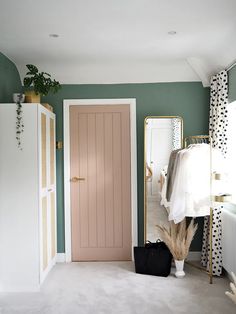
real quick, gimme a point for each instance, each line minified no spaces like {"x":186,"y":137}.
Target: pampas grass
{"x":178,"y":238}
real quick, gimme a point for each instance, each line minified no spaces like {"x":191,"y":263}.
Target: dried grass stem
{"x":178,"y":237}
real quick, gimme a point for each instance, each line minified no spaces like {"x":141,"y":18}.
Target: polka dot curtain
{"x":218,"y":111}
{"x":218,"y":122}
{"x":177,"y":133}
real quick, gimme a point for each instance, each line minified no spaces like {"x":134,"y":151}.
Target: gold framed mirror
{"x":162,"y":135}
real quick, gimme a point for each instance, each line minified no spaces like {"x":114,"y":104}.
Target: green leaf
{"x":28,"y":81}
{"x":45,"y":73}
{"x":32,"y":68}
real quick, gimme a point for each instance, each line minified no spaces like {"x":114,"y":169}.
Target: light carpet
{"x":114,"y":287}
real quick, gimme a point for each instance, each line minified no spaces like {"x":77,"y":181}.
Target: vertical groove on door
{"x":126,"y":180}
{"x":92,"y":181}
{"x":113,"y":179}
{"x":100,"y":150}
{"x":82,"y":186}
{"x":96,"y":191}
{"x":117,"y":166}
{"x":109,"y":180}
{"x":43,"y":149}
{"x":53,"y":225}
{"x":45,"y":232}
{"x":105,"y":192}
{"x":52,"y":156}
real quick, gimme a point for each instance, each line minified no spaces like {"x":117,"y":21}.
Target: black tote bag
{"x":153,"y":259}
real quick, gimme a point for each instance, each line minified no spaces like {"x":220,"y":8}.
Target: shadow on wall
{"x":9,"y":79}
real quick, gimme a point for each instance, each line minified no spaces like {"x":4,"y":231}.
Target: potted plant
{"x":41,"y":82}
{"x":178,"y":239}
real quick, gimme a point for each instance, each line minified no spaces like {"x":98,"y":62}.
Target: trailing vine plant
{"x":19,"y":124}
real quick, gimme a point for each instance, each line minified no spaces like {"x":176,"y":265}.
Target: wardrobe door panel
{"x":52,"y":151}
{"x":51,"y":189}
{"x":43,"y":150}
{"x":47,"y":171}
{"x":53,"y":224}
{"x":45,"y":232}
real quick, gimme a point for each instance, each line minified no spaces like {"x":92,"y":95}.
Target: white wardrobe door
{"x":47,"y":191}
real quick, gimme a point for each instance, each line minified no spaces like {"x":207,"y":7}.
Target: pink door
{"x":100,"y":183}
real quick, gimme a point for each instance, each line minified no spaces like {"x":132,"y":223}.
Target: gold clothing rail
{"x":196,"y":139}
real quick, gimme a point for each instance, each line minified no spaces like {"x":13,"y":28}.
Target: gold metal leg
{"x":211,"y":216}
{"x":203,"y":269}
{"x":210,"y":257}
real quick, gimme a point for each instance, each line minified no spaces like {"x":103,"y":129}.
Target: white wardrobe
{"x":27,"y":198}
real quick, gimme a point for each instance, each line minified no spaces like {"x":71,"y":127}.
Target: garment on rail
{"x":189,"y":193}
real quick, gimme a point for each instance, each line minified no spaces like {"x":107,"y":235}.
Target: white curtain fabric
{"x":218,"y":123}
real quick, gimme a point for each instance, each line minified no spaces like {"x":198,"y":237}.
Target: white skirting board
{"x":228,"y":236}
{"x":227,"y":274}
{"x":192,"y":256}
{"x":61,"y":258}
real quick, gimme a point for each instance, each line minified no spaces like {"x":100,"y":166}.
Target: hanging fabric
{"x":218,"y":119}
{"x":176,"y":131}
{"x":190,"y":188}
{"x":218,"y":123}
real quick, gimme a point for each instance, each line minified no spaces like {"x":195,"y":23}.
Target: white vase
{"x":179,"y":269}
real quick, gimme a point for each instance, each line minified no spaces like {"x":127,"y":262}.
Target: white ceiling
{"x":120,"y":41}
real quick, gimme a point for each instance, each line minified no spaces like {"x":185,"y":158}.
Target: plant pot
{"x":179,"y":269}
{"x":32,"y":97}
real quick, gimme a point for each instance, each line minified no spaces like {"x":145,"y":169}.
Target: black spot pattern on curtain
{"x":218,"y":123}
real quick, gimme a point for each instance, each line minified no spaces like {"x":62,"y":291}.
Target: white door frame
{"x":67,"y":202}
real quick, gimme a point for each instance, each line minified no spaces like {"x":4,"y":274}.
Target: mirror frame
{"x":144,"y":173}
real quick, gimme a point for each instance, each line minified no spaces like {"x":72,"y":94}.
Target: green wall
{"x":9,"y":79}
{"x":189,"y":100}
{"x":232,"y":84}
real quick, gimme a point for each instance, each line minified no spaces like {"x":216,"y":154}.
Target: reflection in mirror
{"x":161,"y":136}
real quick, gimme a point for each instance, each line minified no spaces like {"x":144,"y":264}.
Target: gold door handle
{"x":76,"y":179}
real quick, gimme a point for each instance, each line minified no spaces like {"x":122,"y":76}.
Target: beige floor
{"x":114,"y":288}
{"x":156,"y":214}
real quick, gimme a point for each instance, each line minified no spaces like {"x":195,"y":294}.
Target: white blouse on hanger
{"x":190,"y":195}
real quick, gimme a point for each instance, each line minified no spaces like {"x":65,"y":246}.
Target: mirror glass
{"x":161,"y":136}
